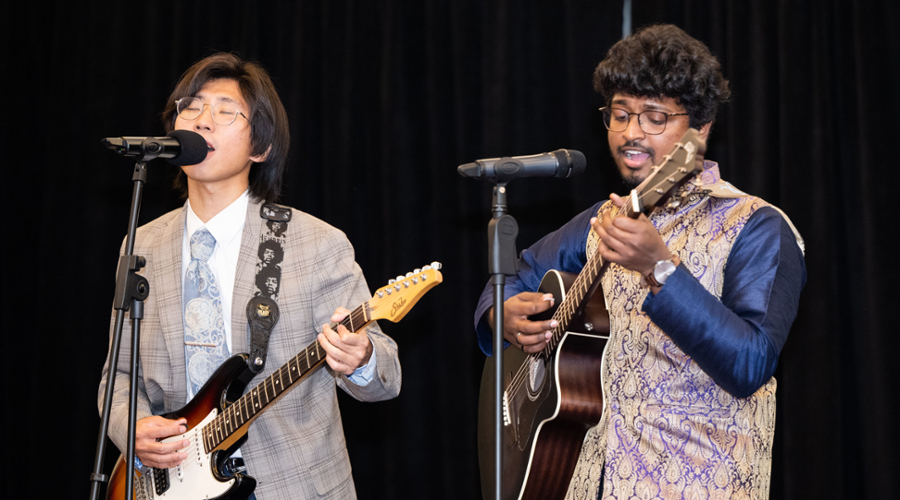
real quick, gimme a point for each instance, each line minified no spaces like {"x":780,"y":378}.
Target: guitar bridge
{"x":506,"y":418}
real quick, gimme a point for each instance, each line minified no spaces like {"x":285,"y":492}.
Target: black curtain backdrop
{"x":385,"y":99}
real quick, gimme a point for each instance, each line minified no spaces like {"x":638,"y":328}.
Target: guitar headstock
{"x":665,"y":180}
{"x":393,"y":301}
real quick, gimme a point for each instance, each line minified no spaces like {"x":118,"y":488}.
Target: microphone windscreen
{"x":578,"y":163}
{"x":571,"y":162}
{"x":193,"y":148}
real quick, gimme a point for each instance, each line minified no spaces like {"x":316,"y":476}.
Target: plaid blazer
{"x":296,"y":448}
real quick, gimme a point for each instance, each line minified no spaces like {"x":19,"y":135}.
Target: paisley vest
{"x":668,"y":431}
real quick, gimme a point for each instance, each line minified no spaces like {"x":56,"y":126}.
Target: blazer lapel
{"x":244,"y":279}
{"x":169,"y":277}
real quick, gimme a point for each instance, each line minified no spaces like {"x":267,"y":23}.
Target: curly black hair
{"x":276,"y":248}
{"x":663,"y":61}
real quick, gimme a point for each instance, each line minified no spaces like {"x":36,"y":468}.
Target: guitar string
{"x":563,"y":310}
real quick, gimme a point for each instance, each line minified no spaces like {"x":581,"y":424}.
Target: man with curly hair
{"x":701,"y":296}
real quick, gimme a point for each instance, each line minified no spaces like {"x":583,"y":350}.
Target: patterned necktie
{"x":204,"y":326}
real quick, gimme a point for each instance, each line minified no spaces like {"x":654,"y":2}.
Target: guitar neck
{"x":585,"y":282}
{"x":575,"y":296}
{"x":261,"y":397}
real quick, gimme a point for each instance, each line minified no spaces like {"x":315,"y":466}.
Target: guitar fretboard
{"x":251,"y":404}
{"x":578,"y":291}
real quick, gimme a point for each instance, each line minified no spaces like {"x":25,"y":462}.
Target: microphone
{"x":181,"y":147}
{"x":560,"y":163}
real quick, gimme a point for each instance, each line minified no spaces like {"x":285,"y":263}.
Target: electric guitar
{"x":553,"y":397}
{"x":219,"y":416}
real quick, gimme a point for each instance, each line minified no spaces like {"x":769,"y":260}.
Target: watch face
{"x":663,"y":270}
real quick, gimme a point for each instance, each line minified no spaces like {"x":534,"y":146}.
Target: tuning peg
{"x":391,"y":281}
{"x":417,"y":271}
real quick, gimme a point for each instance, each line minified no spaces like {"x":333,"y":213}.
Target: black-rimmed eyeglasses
{"x":651,"y":122}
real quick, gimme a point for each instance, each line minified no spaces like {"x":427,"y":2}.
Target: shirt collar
{"x":225,"y":225}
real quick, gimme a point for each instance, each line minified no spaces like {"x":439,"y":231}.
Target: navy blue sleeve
{"x":563,"y":250}
{"x":737,"y":341}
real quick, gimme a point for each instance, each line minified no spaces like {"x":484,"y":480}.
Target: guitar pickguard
{"x":193,"y":479}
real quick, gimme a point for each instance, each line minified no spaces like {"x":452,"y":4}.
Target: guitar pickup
{"x":161,"y":480}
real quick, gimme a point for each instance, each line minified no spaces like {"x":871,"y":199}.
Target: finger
{"x":339,"y":314}
{"x":616,"y":199}
{"x":347,"y":336}
{"x":335,"y":358}
{"x":157,"y":427}
{"x":169,"y":447}
{"x":534,"y":343}
{"x":331,"y":337}
{"x":357,"y":342}
{"x":529,"y":327}
{"x":527,"y":305}
{"x":162,"y":461}
{"x":530,"y":339}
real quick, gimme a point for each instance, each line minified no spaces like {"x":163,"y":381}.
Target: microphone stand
{"x":502,"y":232}
{"x":131,"y":291}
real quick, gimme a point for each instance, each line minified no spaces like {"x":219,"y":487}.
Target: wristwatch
{"x":661,"y":272}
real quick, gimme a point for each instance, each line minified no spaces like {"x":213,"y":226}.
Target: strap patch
{"x":275,"y":212}
{"x":262,"y":315}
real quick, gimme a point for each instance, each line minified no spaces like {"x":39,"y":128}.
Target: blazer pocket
{"x":331,"y":474}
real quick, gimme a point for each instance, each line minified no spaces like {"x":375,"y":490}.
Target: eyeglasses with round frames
{"x":223,"y":113}
{"x":651,"y":122}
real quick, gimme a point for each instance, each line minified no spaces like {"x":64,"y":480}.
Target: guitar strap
{"x":262,"y":309}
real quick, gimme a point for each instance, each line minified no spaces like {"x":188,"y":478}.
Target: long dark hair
{"x":664,"y":61}
{"x":268,"y":119}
